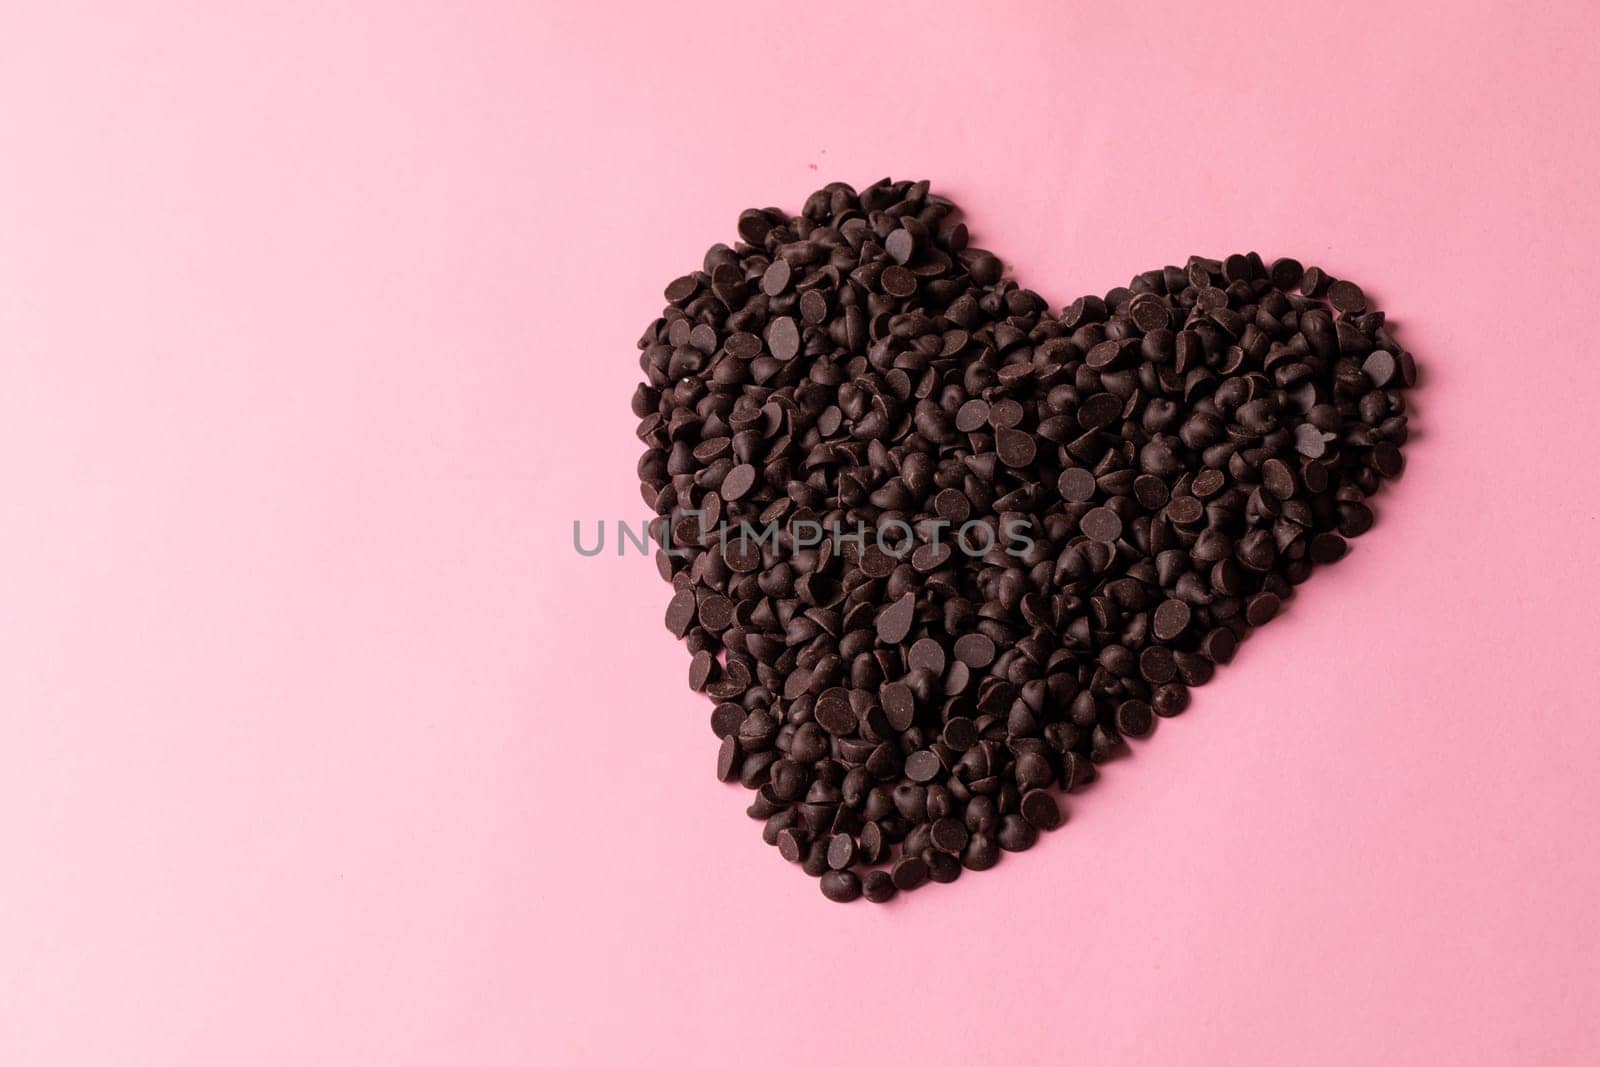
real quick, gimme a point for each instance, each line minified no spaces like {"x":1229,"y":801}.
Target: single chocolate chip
{"x":841,"y":886}
{"x":1261,"y":609}
{"x":898,"y":282}
{"x":1101,"y":524}
{"x":783,"y":339}
{"x":973,"y":415}
{"x":1134,"y":718}
{"x":791,"y":845}
{"x":834,"y":712}
{"x":922,"y":766}
{"x":975,"y":650}
{"x":1040,"y":809}
{"x":909,"y":873}
{"x":1077,"y":485}
{"x":776,"y":278}
{"x":894,"y":622}
{"x":1016,"y":449}
{"x":738,"y":482}
{"x":1285,"y":273}
{"x":927,"y":655}
{"x":901,"y":246}
{"x":681,"y":612}
{"x":1171,"y":619}
{"x":950,"y":835}
{"x":841,"y":851}
{"x":728,"y":759}
{"x":899,"y":706}
{"x":1017,"y":834}
{"x":878,"y":886}
{"x":1347,"y":297}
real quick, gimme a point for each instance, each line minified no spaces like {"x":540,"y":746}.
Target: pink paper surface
{"x":319,"y":744}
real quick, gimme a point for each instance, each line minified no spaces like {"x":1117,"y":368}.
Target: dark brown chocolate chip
{"x":1285,"y":273}
{"x":899,"y":705}
{"x":783,"y":339}
{"x":739,"y":481}
{"x":922,"y":766}
{"x":898,"y":282}
{"x":909,"y":873}
{"x":975,"y":650}
{"x":728,"y":759}
{"x":1261,"y":609}
{"x":1041,"y":810}
{"x":841,"y":851}
{"x":834,"y":712}
{"x":776,"y":278}
{"x":1077,"y":484}
{"x":841,"y":887}
{"x":681,"y":612}
{"x":973,"y":415}
{"x":901,"y":246}
{"x":927,"y":655}
{"x":950,"y":835}
{"x":878,"y":886}
{"x":1101,"y":524}
{"x":1347,"y":297}
{"x":1134,"y":718}
{"x":1016,"y":448}
{"x":894,"y":622}
{"x":1171,"y":619}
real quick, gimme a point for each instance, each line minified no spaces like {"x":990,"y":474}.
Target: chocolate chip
{"x":922,"y":766}
{"x":776,"y":278}
{"x":909,"y":873}
{"x":738,"y":482}
{"x":973,"y":415}
{"x":834,"y":712}
{"x":681,"y":612}
{"x":975,"y":650}
{"x":1285,"y":273}
{"x":878,"y":886}
{"x":841,"y":851}
{"x":1347,"y":297}
{"x":894,"y":622}
{"x":1101,"y":524}
{"x":901,"y":246}
{"x":841,"y":886}
{"x":728,"y":759}
{"x":898,"y":282}
{"x":1041,"y":810}
{"x":1017,"y":834}
{"x":950,"y":835}
{"x":1171,"y":619}
{"x":1077,"y":485}
{"x":1261,"y":609}
{"x":1017,"y":449}
{"x":1134,"y":718}
{"x":783,"y":339}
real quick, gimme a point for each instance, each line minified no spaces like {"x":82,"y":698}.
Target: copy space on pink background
{"x":319,"y":744}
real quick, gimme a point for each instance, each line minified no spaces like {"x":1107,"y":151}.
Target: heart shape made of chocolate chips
{"x":937,"y":552}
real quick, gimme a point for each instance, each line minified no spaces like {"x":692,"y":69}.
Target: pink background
{"x":320,"y":745}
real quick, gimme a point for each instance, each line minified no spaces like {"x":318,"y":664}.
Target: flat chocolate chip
{"x":975,"y":650}
{"x":1041,"y":810}
{"x":1077,"y":485}
{"x":783,"y":339}
{"x":1101,"y":524}
{"x":894,"y":622}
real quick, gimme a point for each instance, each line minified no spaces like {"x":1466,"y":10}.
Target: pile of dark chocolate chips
{"x":1101,"y":503}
